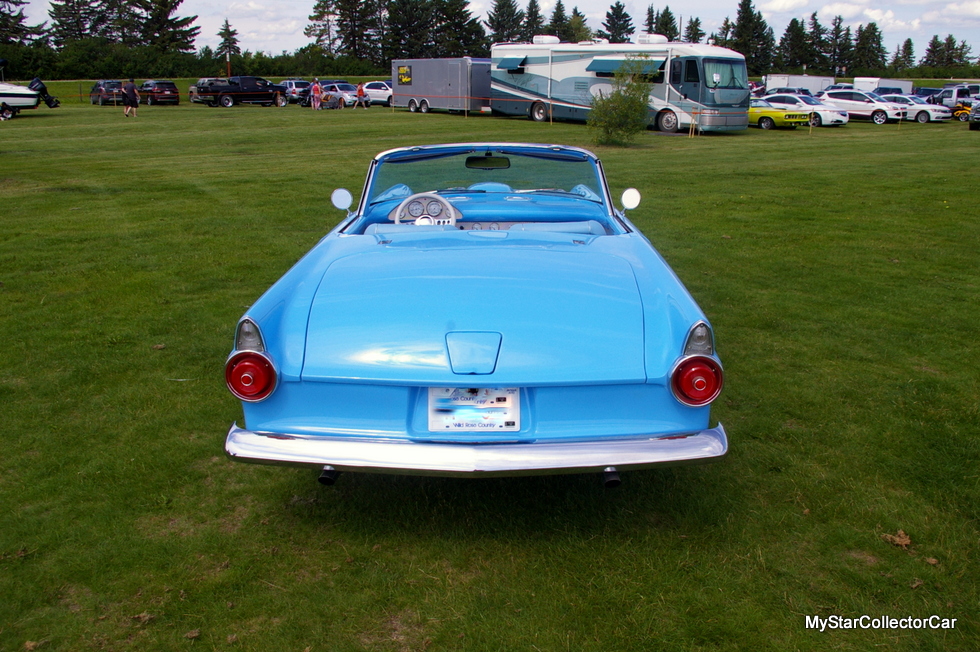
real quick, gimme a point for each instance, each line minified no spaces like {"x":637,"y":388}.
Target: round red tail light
{"x":697,"y":380}
{"x":250,"y":375}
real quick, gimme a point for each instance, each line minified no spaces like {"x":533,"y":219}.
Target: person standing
{"x":131,"y":98}
{"x":362,"y":97}
{"x":315,"y":92}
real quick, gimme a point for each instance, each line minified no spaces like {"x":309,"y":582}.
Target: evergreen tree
{"x":357,"y":28}
{"x":323,"y":25}
{"x":72,"y":20}
{"x":12,"y":26}
{"x":533,"y":21}
{"x":559,"y":25}
{"x":793,"y":47}
{"x":869,"y":52}
{"x":693,"y":32}
{"x":409,"y":33}
{"x":458,"y":33}
{"x":505,"y":22}
{"x":667,"y":25}
{"x":650,"y":24}
{"x":933,"y":56}
{"x":119,"y":21}
{"x":816,"y":38}
{"x":745,"y":38}
{"x":907,"y":57}
{"x":229,"y":41}
{"x":579,"y":27}
{"x":162,"y":30}
{"x":618,"y":25}
{"x":765,"y":49}
{"x":839,"y":46}
{"x":723,"y":38}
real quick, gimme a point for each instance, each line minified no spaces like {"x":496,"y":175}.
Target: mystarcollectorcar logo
{"x":824,"y":623}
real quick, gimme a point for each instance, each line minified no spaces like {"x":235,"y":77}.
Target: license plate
{"x":482,"y":409}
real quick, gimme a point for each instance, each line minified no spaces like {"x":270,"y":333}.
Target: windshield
{"x":876,"y":97}
{"x":506,"y":171}
{"x":916,"y":100}
{"x":725,"y":73}
{"x":806,"y":99}
{"x":346,"y":87}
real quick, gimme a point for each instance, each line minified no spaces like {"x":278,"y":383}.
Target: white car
{"x":821,"y":115}
{"x":379,"y":92}
{"x":919,"y":110}
{"x":863,"y":104}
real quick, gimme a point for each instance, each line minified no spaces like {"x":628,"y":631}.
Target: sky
{"x":277,"y":25}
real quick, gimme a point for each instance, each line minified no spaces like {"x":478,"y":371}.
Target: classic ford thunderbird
{"x":486,"y":310}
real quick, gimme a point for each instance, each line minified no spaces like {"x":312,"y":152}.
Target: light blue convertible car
{"x":485,"y":311}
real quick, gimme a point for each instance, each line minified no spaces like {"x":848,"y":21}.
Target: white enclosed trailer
{"x":813,"y":83}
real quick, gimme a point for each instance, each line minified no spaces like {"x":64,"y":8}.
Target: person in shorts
{"x":362,"y":97}
{"x":130,"y":98}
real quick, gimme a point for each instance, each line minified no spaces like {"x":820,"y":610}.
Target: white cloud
{"x":783,"y":6}
{"x":845,"y":10}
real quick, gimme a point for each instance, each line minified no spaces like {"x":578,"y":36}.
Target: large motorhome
{"x":691,"y":84}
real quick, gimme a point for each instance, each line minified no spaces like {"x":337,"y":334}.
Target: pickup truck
{"x":242,"y":90}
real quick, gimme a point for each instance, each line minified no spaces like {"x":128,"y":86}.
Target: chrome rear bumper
{"x":421,"y":458}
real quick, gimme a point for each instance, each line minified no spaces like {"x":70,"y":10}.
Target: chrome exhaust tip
{"x":328,"y":476}
{"x":610,"y":477}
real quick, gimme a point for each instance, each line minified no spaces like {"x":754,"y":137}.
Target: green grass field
{"x":838,"y":267}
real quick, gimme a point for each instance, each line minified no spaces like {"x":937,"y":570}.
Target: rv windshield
{"x":725,"y":73}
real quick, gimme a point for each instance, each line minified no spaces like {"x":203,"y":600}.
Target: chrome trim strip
{"x":484,"y":460}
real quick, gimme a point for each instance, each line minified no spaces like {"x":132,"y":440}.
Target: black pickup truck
{"x":242,"y":90}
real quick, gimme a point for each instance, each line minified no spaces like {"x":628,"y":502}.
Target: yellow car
{"x":766,"y":116}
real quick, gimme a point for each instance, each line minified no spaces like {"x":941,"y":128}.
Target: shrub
{"x":617,"y":118}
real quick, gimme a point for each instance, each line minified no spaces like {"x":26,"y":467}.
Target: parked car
{"x":154,"y":91}
{"x":486,"y":310}
{"x":863,"y":104}
{"x":839,"y":87}
{"x":975,"y":117}
{"x":295,"y":89}
{"x":768,"y":116}
{"x":787,"y":90}
{"x":888,"y":90}
{"x":203,"y":83}
{"x":244,"y":89}
{"x":918,"y":109}
{"x":821,"y":115}
{"x":336,"y":95}
{"x":925,"y":93}
{"x":379,"y":92}
{"x":106,"y":91}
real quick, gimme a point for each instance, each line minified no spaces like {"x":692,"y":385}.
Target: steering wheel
{"x":425,"y":208}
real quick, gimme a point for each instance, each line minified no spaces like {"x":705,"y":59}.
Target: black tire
{"x":879,"y":117}
{"x":815,"y":120}
{"x":964,"y":116}
{"x":539,"y":112}
{"x":101,"y":100}
{"x":412,"y":106}
{"x":226,"y":101}
{"x":667,"y":122}
{"x":423,"y":106}
{"x":922,"y":117}
{"x":767,"y":123}
{"x":388,"y":101}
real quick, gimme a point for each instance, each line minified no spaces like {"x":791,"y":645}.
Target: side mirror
{"x":631,"y":199}
{"x":341,"y":198}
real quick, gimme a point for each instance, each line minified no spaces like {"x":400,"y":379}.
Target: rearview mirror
{"x":631,"y":199}
{"x":487,"y":162}
{"x":341,"y":198}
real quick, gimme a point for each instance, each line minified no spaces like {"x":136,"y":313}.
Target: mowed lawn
{"x":838,"y":267}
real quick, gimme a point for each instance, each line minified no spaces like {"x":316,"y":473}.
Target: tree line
{"x":85,"y":39}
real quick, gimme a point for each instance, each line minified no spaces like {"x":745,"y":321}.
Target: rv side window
{"x":691,"y":72}
{"x":675,"y":72}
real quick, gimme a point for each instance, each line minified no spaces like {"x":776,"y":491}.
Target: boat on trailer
{"x":14,"y":97}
